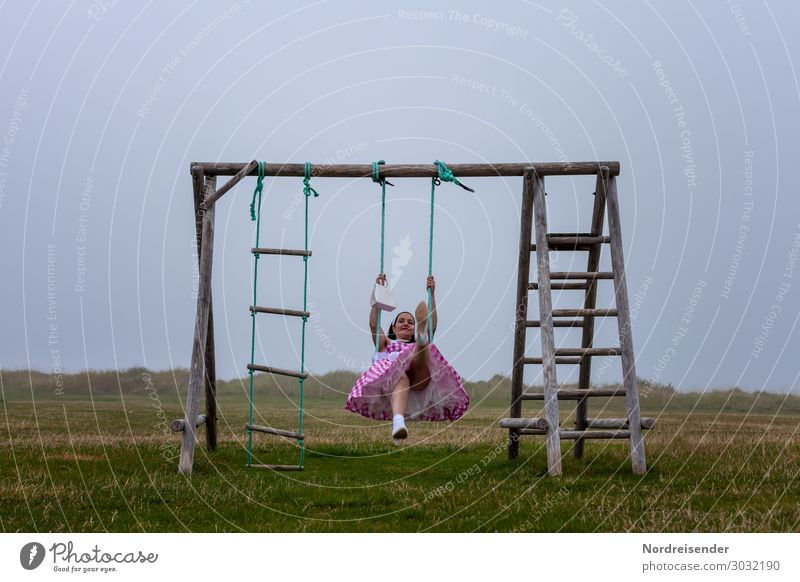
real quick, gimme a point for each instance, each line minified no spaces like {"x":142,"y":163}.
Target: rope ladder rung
{"x":292,"y":252}
{"x":280,"y":311}
{"x":276,"y":431}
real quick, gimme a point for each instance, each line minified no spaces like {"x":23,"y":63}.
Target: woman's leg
{"x":400,"y":395}
{"x":399,"y":403}
{"x":419,"y":373}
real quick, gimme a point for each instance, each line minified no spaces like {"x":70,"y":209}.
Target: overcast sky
{"x":103,"y":105}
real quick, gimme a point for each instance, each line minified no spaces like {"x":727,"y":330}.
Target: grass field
{"x":99,"y":461}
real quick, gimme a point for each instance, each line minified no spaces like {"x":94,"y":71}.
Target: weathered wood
{"x":588,"y":351}
{"x":576,"y":394}
{"x":539,"y":361}
{"x":560,"y":285}
{"x":411,"y":170}
{"x":557,"y":323}
{"x":282,"y":372}
{"x":574,"y":243}
{"x":201,"y":188}
{"x":568,"y":434}
{"x":539,"y":423}
{"x":580,"y":240}
{"x":582,"y":275}
{"x":638,"y":460}
{"x":297,"y":253}
{"x":567,"y":234}
{"x":179,"y":424}
{"x":240,"y":175}
{"x":594,"y":434}
{"x":277,"y":431}
{"x":278,"y":467}
{"x":197,"y":370}
{"x":536,"y":182}
{"x":521,"y":313}
{"x":584,"y":313}
{"x":277,"y":311}
{"x":210,"y":382}
{"x":647,"y":423}
{"x":590,"y":301}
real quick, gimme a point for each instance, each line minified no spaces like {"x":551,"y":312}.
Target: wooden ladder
{"x":534,"y":211}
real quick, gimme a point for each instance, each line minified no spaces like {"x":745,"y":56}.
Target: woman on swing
{"x":409,"y":378}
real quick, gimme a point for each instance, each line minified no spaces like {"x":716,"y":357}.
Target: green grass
{"x":103,"y":462}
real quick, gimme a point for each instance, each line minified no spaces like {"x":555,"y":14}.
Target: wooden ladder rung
{"x":560,"y":285}
{"x":574,"y":243}
{"x":576,"y":394}
{"x":557,"y":323}
{"x":296,"y":253}
{"x":540,"y":361}
{"x":277,"y":431}
{"x":585,"y":313}
{"x":271,"y":370}
{"x":588,"y":351}
{"x":535,"y":423}
{"x":647,"y":423}
{"x":568,"y":434}
{"x":277,"y":467}
{"x":581,"y":275}
{"x":580,"y":239}
{"x":277,"y":311}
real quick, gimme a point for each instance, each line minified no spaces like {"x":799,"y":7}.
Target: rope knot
{"x":307,"y":189}
{"x":376,"y":173}
{"x":445,"y":174}
{"x":262,"y":168}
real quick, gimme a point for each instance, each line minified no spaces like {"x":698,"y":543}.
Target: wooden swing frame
{"x":206,"y":194}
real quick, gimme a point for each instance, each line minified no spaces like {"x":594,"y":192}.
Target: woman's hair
{"x":392,"y":336}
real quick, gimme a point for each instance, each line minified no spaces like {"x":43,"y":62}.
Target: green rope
{"x":444,"y":174}
{"x":257,"y":191}
{"x":256,"y":195}
{"x":308,"y":191}
{"x":434,"y":182}
{"x":376,"y":177}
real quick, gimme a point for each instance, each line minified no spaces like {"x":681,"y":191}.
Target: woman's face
{"x":404,"y":326}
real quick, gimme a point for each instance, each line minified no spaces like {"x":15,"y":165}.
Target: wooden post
{"x":625,"y":336}
{"x":197,"y":371}
{"x":202,"y":189}
{"x":589,"y":302}
{"x":521,"y":314}
{"x":546,"y":327}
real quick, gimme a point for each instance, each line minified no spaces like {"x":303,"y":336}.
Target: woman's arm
{"x":373,"y":320}
{"x":432,"y":284}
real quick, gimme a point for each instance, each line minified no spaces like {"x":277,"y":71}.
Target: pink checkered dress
{"x":443,"y":399}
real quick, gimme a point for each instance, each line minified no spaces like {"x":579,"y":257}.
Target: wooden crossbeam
{"x":409,"y":170}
